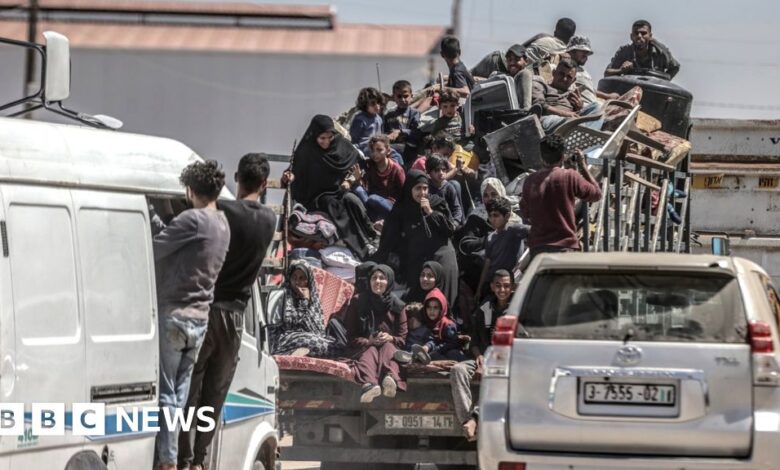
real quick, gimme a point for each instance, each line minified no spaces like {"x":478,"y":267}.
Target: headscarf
{"x":441,"y":323}
{"x":300,"y":313}
{"x":319,"y":170}
{"x":374,"y":306}
{"x":416,"y":292}
{"x":495,"y":183}
{"x":411,"y":208}
{"x":362,"y":277}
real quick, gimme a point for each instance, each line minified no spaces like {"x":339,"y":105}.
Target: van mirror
{"x":721,"y":246}
{"x":57,"y":79}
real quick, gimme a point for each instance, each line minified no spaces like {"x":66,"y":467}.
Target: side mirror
{"x":721,"y":246}
{"x":57,"y":79}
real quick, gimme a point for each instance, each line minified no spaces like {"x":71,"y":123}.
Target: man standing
{"x":252,"y":227}
{"x":188,"y":256}
{"x":644,"y":54}
{"x":548,"y":200}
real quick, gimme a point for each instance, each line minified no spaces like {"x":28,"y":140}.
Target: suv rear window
{"x":608,"y":305}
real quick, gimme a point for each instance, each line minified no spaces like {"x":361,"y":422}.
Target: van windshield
{"x":601,"y":305}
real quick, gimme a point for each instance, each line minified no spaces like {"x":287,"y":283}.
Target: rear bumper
{"x":493,"y":445}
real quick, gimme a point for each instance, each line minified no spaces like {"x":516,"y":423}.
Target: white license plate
{"x":616,"y":393}
{"x":418,"y":421}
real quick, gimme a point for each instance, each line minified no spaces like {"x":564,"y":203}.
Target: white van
{"x":78,"y":309}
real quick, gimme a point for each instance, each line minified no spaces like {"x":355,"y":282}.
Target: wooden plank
{"x":648,"y":162}
{"x":636,"y":178}
{"x":274,"y":183}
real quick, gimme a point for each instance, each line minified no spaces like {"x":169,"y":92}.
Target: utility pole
{"x":32,"y":36}
{"x":455,"y":21}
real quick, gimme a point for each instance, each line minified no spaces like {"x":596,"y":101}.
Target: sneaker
{"x":420,"y":355}
{"x":300,"y":352}
{"x":389,"y":387}
{"x":370,"y":392}
{"x":402,"y":357}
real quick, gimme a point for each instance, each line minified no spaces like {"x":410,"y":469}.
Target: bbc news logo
{"x":90,"y":419}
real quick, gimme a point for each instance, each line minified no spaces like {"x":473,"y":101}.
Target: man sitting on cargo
{"x":579,"y":51}
{"x":484,"y":320}
{"x":559,"y":100}
{"x":188,"y":254}
{"x":644,"y":54}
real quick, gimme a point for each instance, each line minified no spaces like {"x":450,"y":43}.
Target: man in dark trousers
{"x":548,"y":200}
{"x":252,"y":227}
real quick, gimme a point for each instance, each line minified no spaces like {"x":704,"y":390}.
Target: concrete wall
{"x":221,"y":104}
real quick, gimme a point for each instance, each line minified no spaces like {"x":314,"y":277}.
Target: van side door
{"x":120,"y":309}
{"x":47,"y":357}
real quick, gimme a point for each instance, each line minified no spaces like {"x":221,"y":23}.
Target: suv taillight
{"x":766,"y":371}
{"x":504,"y":333}
{"x":498,"y":355}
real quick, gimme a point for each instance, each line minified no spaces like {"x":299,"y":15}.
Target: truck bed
{"x":328,"y":423}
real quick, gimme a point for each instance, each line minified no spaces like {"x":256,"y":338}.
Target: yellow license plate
{"x":768,"y":182}
{"x":707,"y":181}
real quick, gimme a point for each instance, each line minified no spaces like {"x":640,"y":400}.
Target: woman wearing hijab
{"x":376,"y":328}
{"x":430,"y":278}
{"x":417,"y":230}
{"x":472,"y":237}
{"x":302,"y":329}
{"x":322,"y":162}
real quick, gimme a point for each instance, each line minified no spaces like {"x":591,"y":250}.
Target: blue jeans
{"x":377,"y":207}
{"x":551,"y":122}
{"x":180,"y":341}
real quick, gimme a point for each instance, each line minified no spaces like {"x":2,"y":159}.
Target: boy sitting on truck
{"x":403,"y":120}
{"x":368,"y":121}
{"x":483,"y":321}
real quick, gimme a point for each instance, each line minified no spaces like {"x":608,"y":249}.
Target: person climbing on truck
{"x":251,"y":232}
{"x":483,"y":320}
{"x":548,"y":200}
{"x":189,"y":254}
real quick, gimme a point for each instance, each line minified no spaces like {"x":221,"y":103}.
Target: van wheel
{"x":85,"y":460}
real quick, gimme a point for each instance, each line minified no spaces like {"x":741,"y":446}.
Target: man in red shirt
{"x":548,"y":200}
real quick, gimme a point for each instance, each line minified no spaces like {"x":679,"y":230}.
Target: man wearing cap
{"x":579,"y":50}
{"x":514,"y":62}
{"x":497,"y":62}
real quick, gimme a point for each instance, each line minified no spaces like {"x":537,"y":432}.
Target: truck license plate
{"x":418,"y":421}
{"x":610,"y":393}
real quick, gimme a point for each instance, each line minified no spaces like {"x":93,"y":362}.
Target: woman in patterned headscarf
{"x":302,"y":327}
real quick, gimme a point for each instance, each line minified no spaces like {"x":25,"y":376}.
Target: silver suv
{"x":634,"y":361}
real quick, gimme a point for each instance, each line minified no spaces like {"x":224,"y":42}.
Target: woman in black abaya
{"x":322,"y":162}
{"x":419,"y":229}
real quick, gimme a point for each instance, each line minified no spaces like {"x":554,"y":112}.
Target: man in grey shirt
{"x":188,"y":255}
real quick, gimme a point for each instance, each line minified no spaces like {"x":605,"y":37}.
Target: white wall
{"x":223,"y":105}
